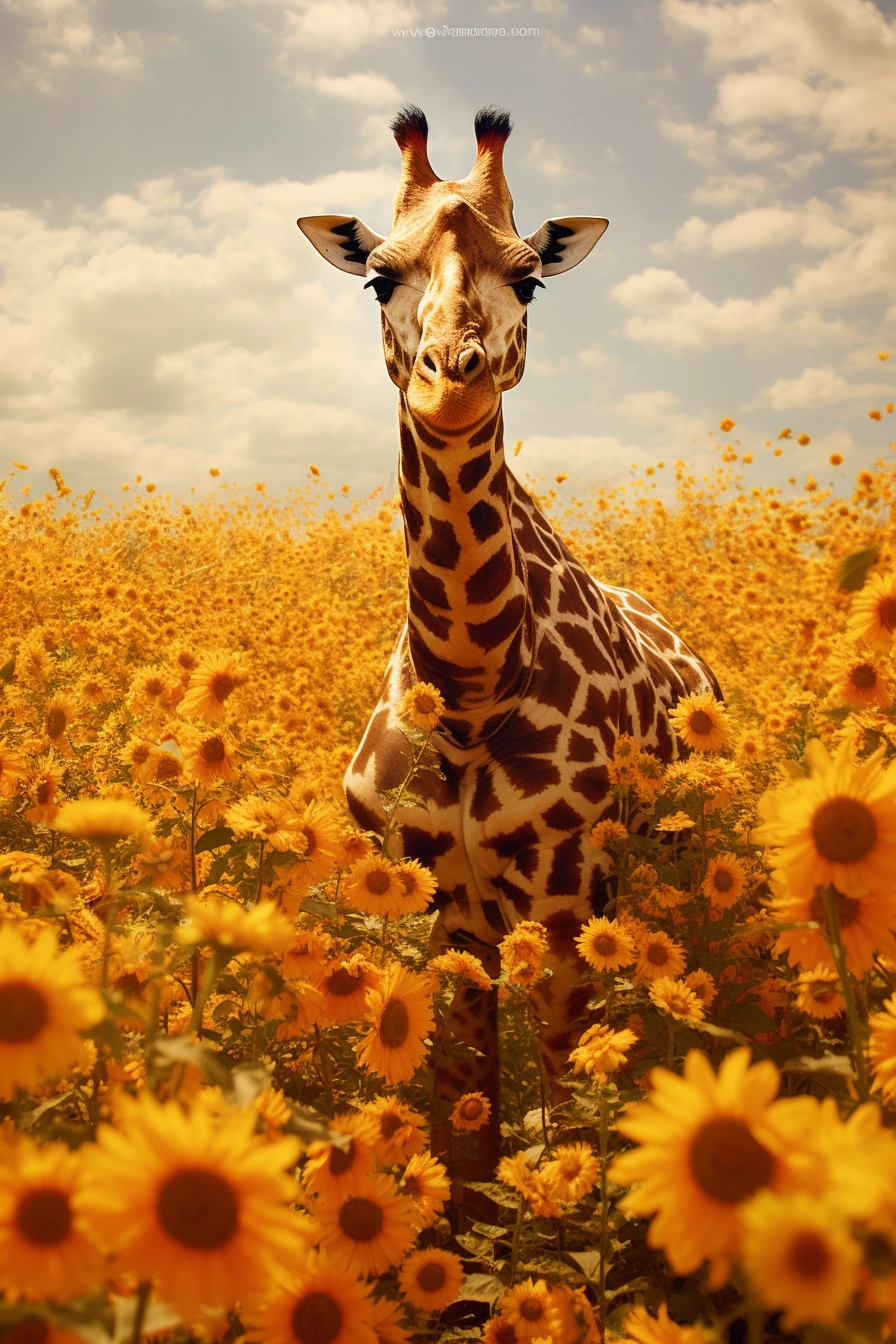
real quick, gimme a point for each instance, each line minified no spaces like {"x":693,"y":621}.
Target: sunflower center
{"x":343,"y":982}
{"x":863,"y":677}
{"x":848,"y":908}
{"x":657,"y":954}
{"x":316,"y":1319}
{"x":23,"y":1012}
{"x":212,"y":751}
{"x":361,"y":1219}
{"x":56,"y":723}
{"x":378,"y":882}
{"x":44,"y":1217}
{"x":472,"y":1109}
{"x":169,"y":767}
{"x":605,"y":945}
{"x":722,"y":880}
{"x":390,"y":1125}
{"x":727,"y":1162}
{"x":342,"y":1159}
{"x":154,"y":686}
{"x":531,"y":1309}
{"x":700,"y":722}
{"x":844,"y":830}
{"x":809,"y":1256}
{"x":424,"y":704}
{"x":198,"y":1208}
{"x":395,"y":1024}
{"x":409,"y":882}
{"x":431,"y":1277}
{"x":44,"y":791}
{"x":886,"y":613}
{"x":222,"y":685}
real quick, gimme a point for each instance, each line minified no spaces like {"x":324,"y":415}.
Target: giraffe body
{"x":540,"y":666}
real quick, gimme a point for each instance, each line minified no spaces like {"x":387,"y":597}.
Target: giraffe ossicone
{"x":540,"y":666}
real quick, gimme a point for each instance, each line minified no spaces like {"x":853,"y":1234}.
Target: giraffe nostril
{"x":430,"y":363}
{"x":472,"y":363}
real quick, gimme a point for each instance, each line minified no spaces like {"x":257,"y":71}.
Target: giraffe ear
{"x":343,"y":240}
{"x":563,"y":243}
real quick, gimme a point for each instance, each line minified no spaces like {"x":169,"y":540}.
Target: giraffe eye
{"x":382,"y":288}
{"x":525,"y":289}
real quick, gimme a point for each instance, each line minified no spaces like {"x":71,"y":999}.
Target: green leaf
{"x":853,"y":569}
{"x":828,"y":1063}
{"x":588,"y":1262}
{"x":216,"y":839}
{"x":33,"y":1116}
{"x":7,"y":671}
{"x":482,"y":1288}
{"x":724,"y":1033}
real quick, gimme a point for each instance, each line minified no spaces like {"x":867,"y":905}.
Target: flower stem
{"x":260,"y":870}
{"x":670,"y":1053}
{"x":140,"y":1305}
{"x":832,"y":916}
{"x":604,"y":1213}
{"x":515,"y":1245}
{"x":325,"y":1068}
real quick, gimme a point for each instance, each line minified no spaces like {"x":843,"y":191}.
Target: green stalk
{"x":832,"y":916}
{"x":515,"y":1245}
{"x":140,"y":1306}
{"x":604,"y":1213}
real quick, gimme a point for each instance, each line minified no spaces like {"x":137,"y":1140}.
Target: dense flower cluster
{"x":217,"y":1003}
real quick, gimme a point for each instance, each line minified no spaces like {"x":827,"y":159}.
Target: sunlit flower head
{"x":529,"y":1308}
{"x":103,"y":821}
{"x":425,"y":1180}
{"x":400,"y":1130}
{"x":602,"y":1051}
{"x":658,"y":956}
{"x":228,"y":925}
{"x":269,"y":818}
{"x":211,"y":685}
{"x":462,"y":964}
{"x":725,"y":881}
{"x":818,"y":993}
{"x":423,"y":706}
{"x":318,"y":1304}
{"x":605,"y":945}
{"x":400,"y":1012}
{"x":700,"y":720}
{"x":344,"y":984}
{"x":872,"y":615}
{"x":331,"y":1167}
{"x":431,"y":1279}
{"x":368,"y":1228}
{"x":375,"y":887}
{"x":799,"y":1257}
{"x":675,"y":998}
{"x":471,"y":1111}
{"x":572,"y":1171}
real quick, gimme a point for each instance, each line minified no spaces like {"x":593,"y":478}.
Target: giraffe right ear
{"x":563,"y":243}
{"x":343,"y":240}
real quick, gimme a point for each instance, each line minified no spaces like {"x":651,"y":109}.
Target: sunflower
{"x":13,"y":769}
{"x":836,"y":828}
{"x":345,"y":985}
{"x":318,"y":1305}
{"x":386,"y":1324}
{"x":375,"y":887}
{"x":58,"y":715}
{"x":818,"y":993}
{"x":572,"y":1171}
{"x":642,"y":1328}
{"x":872,"y":614}
{"x":400,"y":1011}
{"x":42,"y":788}
{"x":353,"y":847}
{"x":882,"y":1051}
{"x":521,"y":1176}
{"x":659,"y":956}
{"x":862,"y":685}
{"x":471,"y":1111}
{"x":227,"y":925}
{"x":576,"y":1316}
{"x":708,"y":1144}
{"x":45,"y":1247}
{"x":529,"y":1308}
{"x":331,"y":1169}
{"x":400,"y":1130}
{"x":368,"y":1228}
{"x":605,"y":832}
{"x":153,"y":691}
{"x":675,"y":822}
{"x":319,"y":857}
{"x":523,"y":952}
{"x":866,"y":926}
{"x":210,"y":757}
{"x":602,"y":1051}
{"x":194,"y":1202}
{"x":419,"y":886}
{"x":799,"y":1257}
{"x":44,"y":1007}
{"x":675,"y":998}
{"x":103,"y":821}
{"x":423,"y":705}
{"x":269,"y":818}
{"x":703,"y":986}
{"x":700,"y":721}
{"x":725,"y":880}
{"x":605,"y":945}
{"x":425,"y":1179}
{"x":431,"y":1279}
{"x":211,"y":684}
{"x":463,"y":964}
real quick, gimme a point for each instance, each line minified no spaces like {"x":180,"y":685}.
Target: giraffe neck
{"x":469,"y":616}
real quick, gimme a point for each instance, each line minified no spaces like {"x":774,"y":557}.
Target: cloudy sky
{"x":160,"y":314}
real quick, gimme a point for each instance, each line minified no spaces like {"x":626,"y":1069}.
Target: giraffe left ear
{"x":342,"y":239}
{"x":563,"y":243}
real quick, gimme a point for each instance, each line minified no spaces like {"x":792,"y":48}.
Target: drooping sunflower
{"x":703,"y":986}
{"x":572,"y":1171}
{"x":375,"y":887}
{"x":836,"y":828}
{"x":471,"y":1111}
{"x":799,"y":1257}
{"x":43,"y":786}
{"x":400,"y":1130}
{"x":419,"y":886}
{"x":195,"y":1202}
{"x":423,"y":705}
{"x":725,"y":880}
{"x":345,"y":985}
{"x":521,"y":1176}
{"x":103,"y":821}
{"x":13,"y":769}
{"x":431,"y":1279}
{"x":464,"y":964}
{"x":425,"y":1180}
{"x":818,"y":993}
{"x":872,"y":613}
{"x":658,"y":956}
{"x":400,"y":1012}
{"x":700,"y":721}
{"x":605,"y":945}
{"x":59,"y":712}
{"x":319,"y":1305}
{"x":602,"y":1051}
{"x":676,"y":998}
{"x":529,"y":1308}
{"x":576,"y":1316}
{"x":211,"y":684}
{"x":709,"y":1143}
{"x":331,"y":1169}
{"x":228,"y":925}
{"x":45,"y":1005}
{"x":523,"y":952}
{"x":368,"y":1228}
{"x":45,"y":1246}
{"x":866,"y":925}
{"x":319,"y":857}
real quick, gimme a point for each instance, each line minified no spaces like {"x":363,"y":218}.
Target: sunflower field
{"x":216,"y":999}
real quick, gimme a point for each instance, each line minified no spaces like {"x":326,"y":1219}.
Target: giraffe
{"x":540,"y":666}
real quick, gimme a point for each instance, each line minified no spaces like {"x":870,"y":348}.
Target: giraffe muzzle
{"x":438,"y":362}
{"x":452,"y":389}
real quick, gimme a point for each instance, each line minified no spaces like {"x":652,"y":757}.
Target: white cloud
{"x":594,"y":36}
{"x":816,"y":387}
{"x":731,"y":189}
{"x":587,"y":459}
{"x":328,"y":28}
{"x":550,"y":159}
{"x":60,"y":34}
{"x":171,"y":329}
{"x":700,"y":143}
{"x":813,"y":224}
{"x":366,"y":89}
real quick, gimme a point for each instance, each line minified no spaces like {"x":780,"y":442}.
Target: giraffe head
{"x":453,"y":277}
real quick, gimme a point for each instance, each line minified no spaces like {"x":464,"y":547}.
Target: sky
{"x":162,"y":316}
